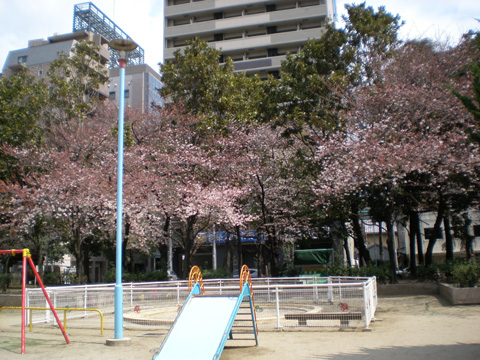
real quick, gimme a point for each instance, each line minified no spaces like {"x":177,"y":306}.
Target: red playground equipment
{"x":27,"y":258}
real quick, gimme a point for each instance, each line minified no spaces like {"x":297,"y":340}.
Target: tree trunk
{"x":272,"y":240}
{"x":231,"y":256}
{"x":380,"y":239}
{"x":358,"y":236}
{"x":86,"y":262}
{"x":239,"y":249}
{"x":347,"y":252}
{"x":189,"y":244}
{"x":468,"y":238}
{"x":448,"y":238}
{"x":436,"y":232}
{"x":163,"y":246}
{"x":125,"y":239}
{"x":419,"y":239}
{"x":274,"y":251}
{"x":391,"y":252}
{"x":227,"y":253}
{"x":412,"y":234}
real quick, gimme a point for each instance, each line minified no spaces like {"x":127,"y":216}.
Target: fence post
{"x":85,"y":300}
{"x":178,"y":293}
{"x":27,"y":304}
{"x":330,"y":289}
{"x":131,"y":294}
{"x":277,"y":303}
{"x":268,"y":292}
{"x":366,"y":313}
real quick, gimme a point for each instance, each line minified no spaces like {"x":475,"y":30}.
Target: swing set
{"x":27,"y":258}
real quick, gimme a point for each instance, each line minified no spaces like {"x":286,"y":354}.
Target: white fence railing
{"x":279,"y":302}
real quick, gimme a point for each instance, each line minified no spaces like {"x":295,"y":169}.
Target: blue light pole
{"x":123,"y":46}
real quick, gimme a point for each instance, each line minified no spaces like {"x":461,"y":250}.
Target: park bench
{"x":344,"y":317}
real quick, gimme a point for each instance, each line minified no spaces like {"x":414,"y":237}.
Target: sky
{"x":142,"y":20}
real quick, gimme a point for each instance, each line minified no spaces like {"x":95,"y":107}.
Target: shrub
{"x":214,"y":274}
{"x":160,"y":275}
{"x":110,"y":276}
{"x":381,"y":272}
{"x":466,"y":275}
{"x":337,"y":269}
{"x":52,"y":278}
{"x":290,"y":270}
{"x":428,"y":273}
{"x":5,"y":280}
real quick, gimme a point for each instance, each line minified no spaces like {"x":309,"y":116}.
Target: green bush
{"x":337,"y":269}
{"x":5,"y":280}
{"x":110,"y":276}
{"x":381,"y":272}
{"x":290,"y":270}
{"x":466,"y":275}
{"x":428,"y":273}
{"x":215,"y":274}
{"x":154,"y":276}
{"x":52,"y":278}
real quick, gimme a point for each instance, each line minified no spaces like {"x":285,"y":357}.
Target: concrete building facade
{"x":141,"y":81}
{"x":255,"y":34}
{"x":40,"y":53}
{"x":141,"y":86}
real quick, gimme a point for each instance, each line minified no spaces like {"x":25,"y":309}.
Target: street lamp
{"x":122,"y":46}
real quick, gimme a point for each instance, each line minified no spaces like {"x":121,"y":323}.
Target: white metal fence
{"x":280,"y":302}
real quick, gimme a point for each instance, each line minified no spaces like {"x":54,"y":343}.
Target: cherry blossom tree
{"x":405,"y":133}
{"x":69,"y":181}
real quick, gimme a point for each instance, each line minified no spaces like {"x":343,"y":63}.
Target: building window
{"x":218,"y":15}
{"x":127,"y":94}
{"x":218,"y":37}
{"x":272,"y":52}
{"x":476,"y":230}
{"x":429,"y":234}
{"x":22,"y":59}
{"x":271,"y":29}
{"x":111,"y":95}
{"x":271,"y":7}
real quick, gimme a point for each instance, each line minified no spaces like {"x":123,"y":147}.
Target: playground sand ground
{"x":407,"y":327}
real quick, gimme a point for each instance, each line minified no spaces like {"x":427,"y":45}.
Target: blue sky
{"x":23,"y":20}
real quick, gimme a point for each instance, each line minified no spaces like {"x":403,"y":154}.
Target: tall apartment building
{"x":255,"y":34}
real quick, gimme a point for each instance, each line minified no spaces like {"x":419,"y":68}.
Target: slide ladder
{"x":205,"y":323}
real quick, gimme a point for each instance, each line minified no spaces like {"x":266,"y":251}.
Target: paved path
{"x":413,"y":327}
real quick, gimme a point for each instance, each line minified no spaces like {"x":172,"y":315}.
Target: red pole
{"x":32,"y":265}
{"x":24,"y":286}
{"x":13,"y":252}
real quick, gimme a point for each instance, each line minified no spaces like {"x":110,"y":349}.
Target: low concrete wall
{"x":408,"y":289}
{"x":460,"y":296}
{"x":10,"y":300}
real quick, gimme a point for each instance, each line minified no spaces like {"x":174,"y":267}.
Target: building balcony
{"x":299,"y":15}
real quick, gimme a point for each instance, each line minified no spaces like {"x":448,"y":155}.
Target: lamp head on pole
{"x":123,"y":46}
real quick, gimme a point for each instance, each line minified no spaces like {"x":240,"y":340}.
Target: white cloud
{"x":435,"y":19}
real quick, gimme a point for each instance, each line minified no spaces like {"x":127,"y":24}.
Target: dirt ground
{"x":408,"y":327}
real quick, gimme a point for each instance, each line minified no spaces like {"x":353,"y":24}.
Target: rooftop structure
{"x":86,"y":16}
{"x":255,"y":34}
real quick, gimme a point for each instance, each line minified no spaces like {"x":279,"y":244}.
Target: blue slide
{"x":203,"y":326}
